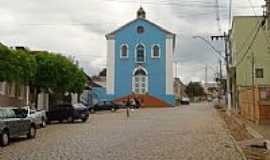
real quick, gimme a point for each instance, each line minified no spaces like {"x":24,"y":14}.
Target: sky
{"x":77,"y":28}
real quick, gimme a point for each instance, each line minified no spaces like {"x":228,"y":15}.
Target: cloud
{"x":77,"y":28}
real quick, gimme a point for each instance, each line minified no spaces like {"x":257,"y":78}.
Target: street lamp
{"x":219,"y":53}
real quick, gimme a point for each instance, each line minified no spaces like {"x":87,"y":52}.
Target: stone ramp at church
{"x":146,"y":101}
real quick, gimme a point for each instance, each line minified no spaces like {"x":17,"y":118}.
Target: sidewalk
{"x":249,"y":136}
{"x":262,"y":130}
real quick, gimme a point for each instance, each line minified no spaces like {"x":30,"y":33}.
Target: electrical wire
{"x":249,"y":47}
{"x":253,"y":9}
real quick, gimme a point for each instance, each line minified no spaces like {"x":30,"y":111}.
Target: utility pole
{"x":220,"y":80}
{"x":206,"y":81}
{"x":253,"y":84}
{"x":206,"y":74}
{"x":225,"y":37}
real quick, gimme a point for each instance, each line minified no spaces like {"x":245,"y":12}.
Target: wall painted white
{"x":169,"y":66}
{"x":110,"y":66}
{"x":43,"y":101}
{"x":27,"y":95}
{"x":2,"y":88}
{"x":74,"y":98}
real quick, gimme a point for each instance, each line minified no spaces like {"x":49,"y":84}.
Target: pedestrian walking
{"x":128,"y":106}
{"x":137,"y":103}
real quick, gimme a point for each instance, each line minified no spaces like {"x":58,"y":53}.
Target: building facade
{"x":12,"y":94}
{"x":179,"y":89}
{"x":140,"y":60}
{"x":250,"y":67}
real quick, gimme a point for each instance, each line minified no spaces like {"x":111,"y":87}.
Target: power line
{"x":256,"y":30}
{"x":187,"y":3}
{"x":249,"y":47}
{"x":218,"y":16}
{"x":249,"y":35}
{"x":230,"y":13}
{"x":253,"y":9}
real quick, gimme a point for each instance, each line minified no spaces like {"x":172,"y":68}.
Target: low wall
{"x":10,"y":101}
{"x":254,"y":103}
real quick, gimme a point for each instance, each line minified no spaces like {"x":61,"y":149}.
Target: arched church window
{"x":140,"y":54}
{"x":124,"y":51}
{"x":140,"y":72}
{"x":155,"y":51}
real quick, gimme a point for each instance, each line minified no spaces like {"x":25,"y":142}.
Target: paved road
{"x":188,"y":133}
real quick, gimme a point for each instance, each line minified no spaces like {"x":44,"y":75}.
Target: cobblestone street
{"x":188,"y":133}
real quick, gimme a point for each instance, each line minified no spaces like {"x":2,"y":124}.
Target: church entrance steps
{"x":146,"y":101}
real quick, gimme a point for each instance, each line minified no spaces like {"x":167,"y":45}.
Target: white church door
{"x":140,"y":81}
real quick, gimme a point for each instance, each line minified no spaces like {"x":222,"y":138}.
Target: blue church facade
{"x":140,"y":60}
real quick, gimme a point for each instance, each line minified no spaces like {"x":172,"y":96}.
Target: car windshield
{"x":7,"y":113}
{"x":79,"y":105}
{"x":20,"y":113}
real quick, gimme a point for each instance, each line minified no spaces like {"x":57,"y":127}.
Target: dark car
{"x":68,"y":112}
{"x":104,"y":105}
{"x":14,"y":123}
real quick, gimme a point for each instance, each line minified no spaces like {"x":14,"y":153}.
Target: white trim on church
{"x":110,"y":66}
{"x":169,"y":66}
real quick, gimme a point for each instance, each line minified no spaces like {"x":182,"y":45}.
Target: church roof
{"x":110,"y":35}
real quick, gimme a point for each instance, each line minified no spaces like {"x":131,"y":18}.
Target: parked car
{"x":14,"y":123}
{"x":185,"y":101}
{"x":209,"y":99}
{"x":68,"y":112}
{"x":104,"y":105}
{"x":37,"y":117}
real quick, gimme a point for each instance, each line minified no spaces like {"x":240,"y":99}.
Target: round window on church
{"x":140,"y":29}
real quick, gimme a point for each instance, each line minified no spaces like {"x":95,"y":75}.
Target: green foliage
{"x":16,"y":65}
{"x":58,"y":74}
{"x":25,"y":66}
{"x":46,"y":71}
{"x":7,"y":70}
{"x":195,"y":89}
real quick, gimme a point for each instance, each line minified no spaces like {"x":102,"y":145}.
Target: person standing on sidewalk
{"x":128,"y":106}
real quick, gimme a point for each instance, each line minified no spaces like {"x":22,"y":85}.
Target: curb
{"x":253,"y":132}
{"x":237,"y":147}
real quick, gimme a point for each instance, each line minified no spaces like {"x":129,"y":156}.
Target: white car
{"x":37,"y":117}
{"x":185,"y":101}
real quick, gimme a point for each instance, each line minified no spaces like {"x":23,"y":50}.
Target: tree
{"x":26,"y":67}
{"x":57,"y":73}
{"x":103,"y":73}
{"x":7,"y":70}
{"x":195,"y":89}
{"x":16,"y":65}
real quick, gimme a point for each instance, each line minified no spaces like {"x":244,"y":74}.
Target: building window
{"x":259,"y":73}
{"x":264,"y":93}
{"x":156,"y":51}
{"x":140,"y":81}
{"x":124,"y":51}
{"x":140,"y":29}
{"x":140,"y":54}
